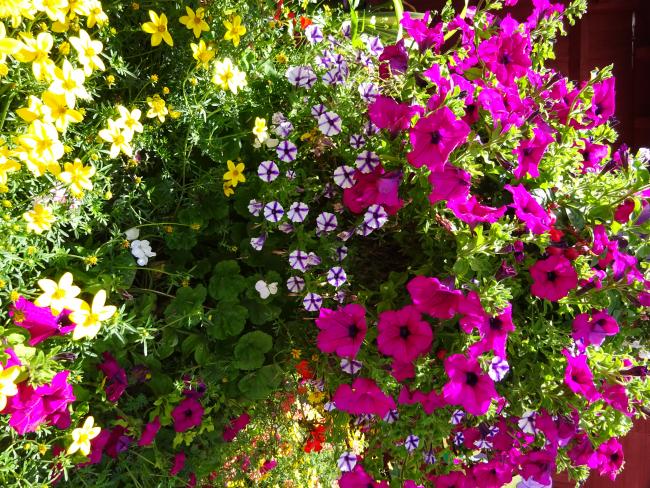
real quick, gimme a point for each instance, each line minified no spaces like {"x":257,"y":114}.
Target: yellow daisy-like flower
{"x":96,"y":14}
{"x":202,"y":53}
{"x":39,"y":219}
{"x":8,"y":45}
{"x":228,"y":77}
{"x":37,"y":51}
{"x":194,"y":21}
{"x":82,"y":436}
{"x":157,"y":108}
{"x":69,"y":82}
{"x":8,"y":386}
{"x":227,"y":189}
{"x":89,"y":318}
{"x":77,"y":177}
{"x":119,"y":138}
{"x":88,"y":52}
{"x":234,"y":30}
{"x":61,"y":113}
{"x":129,"y":120}
{"x":235,"y":173}
{"x":59,"y":295}
{"x":158,"y":29}
{"x":260,"y":130}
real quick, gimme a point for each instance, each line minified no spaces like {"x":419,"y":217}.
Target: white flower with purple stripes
{"x":286,"y":151}
{"x":429,"y":457}
{"x":367,"y":161}
{"x":313,"y":259}
{"x":298,"y":212}
{"x":357,"y":141}
{"x":312,"y":302}
{"x":499,"y":368}
{"x":374,"y":45}
{"x":457,"y":417}
{"x":283,"y":129}
{"x":391,"y":416}
{"x":255,"y":207}
{"x":298,"y":260}
{"x":314,"y":34}
{"x":318,"y":110}
{"x":273,"y":211}
{"x":368,"y":91}
{"x":329,"y":124}
{"x":301,"y":76}
{"x":326,"y":222}
{"x":351,"y":366}
{"x":295,"y":284}
{"x":344,"y":176}
{"x":257,"y":243}
{"x":347,"y":461}
{"x":411,"y":443}
{"x":375,"y":217}
{"x":268,"y":171}
{"x":336,"y":276}
{"x":341,"y":253}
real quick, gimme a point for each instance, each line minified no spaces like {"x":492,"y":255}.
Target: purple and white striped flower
{"x":298,"y":260}
{"x":326,"y":222}
{"x":367,"y":161}
{"x":411,"y":443}
{"x":301,"y":76}
{"x":313,"y":259}
{"x":286,"y":151}
{"x":482,"y":444}
{"x":357,"y":141}
{"x":346,"y":29}
{"x":346,"y":234}
{"x":374,"y":45}
{"x":312,"y":302}
{"x":336,"y":276}
{"x":457,"y":417}
{"x":283,"y":129}
{"x":295,"y":284}
{"x":268,"y":171}
{"x":351,"y":366}
{"x":532,"y":483}
{"x":527,"y":422}
{"x":459,"y":438}
{"x":429,"y":457}
{"x":328,"y":192}
{"x":329,"y":406}
{"x":364,"y":230}
{"x":332,"y":77}
{"x":492,"y":431}
{"x":273,"y":211}
{"x":341,"y":253}
{"x":347,"y":461}
{"x":499,"y":368}
{"x":255,"y":207}
{"x":257,"y":243}
{"x":277,"y":118}
{"x":375,"y":217}
{"x":369,"y":128}
{"x":286,"y":227}
{"x":325,"y":59}
{"x":391,"y":416}
{"x":318,"y":110}
{"x":290,"y":174}
{"x":368,"y":91}
{"x":298,"y":212}
{"x":344,"y":176}
{"x":340,"y":296}
{"x":363,"y":59}
{"x":314,"y":34}
{"x":329,"y":124}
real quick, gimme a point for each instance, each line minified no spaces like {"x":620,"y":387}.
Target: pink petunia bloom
{"x":592,"y":328}
{"x":434,"y":138}
{"x":603,"y":103}
{"x":149,"y":432}
{"x":342,"y":331}
{"x":553,"y":278}
{"x":507,"y":55}
{"x":433,"y":298}
{"x":624,"y":210}
{"x":616,"y":397}
{"x":505,"y":106}
{"x":442,"y":84}
{"x":39,"y":321}
{"x":559,"y":431}
{"x":419,"y":30}
{"x":494,"y":334}
{"x":471,"y":212}
{"x":178,"y":464}
{"x":468,"y":385}
{"x":430,"y":401}
{"x":12,"y":360}
{"x":375,"y":188}
{"x":97,"y":446}
{"x":358,"y":478}
{"x":117,"y":441}
{"x":187,"y":414}
{"x":116,"y":381}
{"x":363,"y":397}
{"x":543,"y":10}
{"x":403,"y":334}
{"x":26,"y":409}
{"x":235,"y":426}
{"x":455,"y":479}
{"x":579,"y":378}
{"x":450,"y":183}
{"x":538,"y":465}
{"x":581,"y":451}
{"x":55,"y":397}
{"x":608,"y":458}
{"x":528,"y":210}
{"x":402,"y":370}
{"x":493,"y":474}
{"x":592,"y":156}
{"x":393,"y":60}
{"x":268,"y":466}
{"x":387,"y":113}
{"x":530,"y":151}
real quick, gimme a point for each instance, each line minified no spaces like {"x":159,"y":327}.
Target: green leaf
{"x":251,"y":348}
{"x":187,"y":307}
{"x":226,"y":282}
{"x":261,"y":383}
{"x":261,"y":313}
{"x":226,"y":320}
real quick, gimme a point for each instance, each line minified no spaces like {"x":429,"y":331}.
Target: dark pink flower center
{"x":614,"y":457}
{"x":496,"y":323}
{"x":435,"y":137}
{"x":471,"y":378}
{"x":404,"y":332}
{"x":505,"y":59}
{"x":551,"y":276}
{"x":188,"y":413}
{"x":353,"y":330}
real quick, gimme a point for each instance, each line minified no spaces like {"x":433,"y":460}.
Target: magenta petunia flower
{"x":149,"y":432}
{"x":538,"y":465}
{"x":39,"y":321}
{"x":528,"y":210}
{"x":434,"y":138}
{"x":402,"y":370}
{"x":592,"y":156}
{"x":374,"y":188}
{"x":116,"y":381}
{"x":235,"y":426}
{"x":591,"y":329}
{"x":493,"y":330}
{"x":419,"y":30}
{"x":403,"y":334}
{"x":616,"y":397}
{"x":387,"y":113}
{"x":553,"y":278}
{"x":27,"y":410}
{"x":471,"y":212}
{"x":187,"y":414}
{"x":454,"y":479}
{"x":358,"y":478}
{"x":117,"y":442}
{"x":530,"y":151}
{"x":603,"y":103}
{"x":430,"y":401}
{"x":579,"y":378}
{"x":363,"y":397}
{"x":393,"y":60}
{"x":433,"y":298}
{"x":492,"y":474}
{"x":468,"y":385}
{"x":178,"y":464}
{"x":507,"y":55}
{"x":608,"y":458}
{"x":55,"y":398}
{"x":450,"y":183}
{"x":581,"y":451}
{"x":342,"y":331}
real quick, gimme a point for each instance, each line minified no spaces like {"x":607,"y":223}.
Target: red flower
{"x":303,"y":369}
{"x":315,"y":440}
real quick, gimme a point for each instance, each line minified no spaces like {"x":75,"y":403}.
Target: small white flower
{"x":132,"y":234}
{"x":141,"y":250}
{"x":266,"y":289}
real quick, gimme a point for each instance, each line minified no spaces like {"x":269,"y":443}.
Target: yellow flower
{"x":41,"y":142}
{"x":234,"y":30}
{"x":158,"y":29}
{"x":157,"y":108}
{"x":119,"y":138}
{"x":54,"y":9}
{"x":37,"y":51}
{"x":235,"y":173}
{"x":96,"y":14}
{"x":8,"y":386}
{"x":69,"y":81}
{"x":88,"y":52}
{"x":7,"y":164}
{"x":89,"y":318}
{"x":228,"y":76}
{"x":202,"y":53}
{"x":8,"y":45}
{"x":194,"y":21}
{"x":295,"y":353}
{"x":59,"y":295}
{"x":78,"y":7}
{"x":36,"y":110}
{"x":227,"y":189}
{"x":61,"y":114}
{"x":260,"y":129}
{"x":129,"y":120}
{"x":77,"y":177}
{"x":82,"y":436}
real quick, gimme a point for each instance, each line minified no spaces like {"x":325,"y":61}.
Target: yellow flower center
{"x":162,"y":28}
{"x":58,"y":294}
